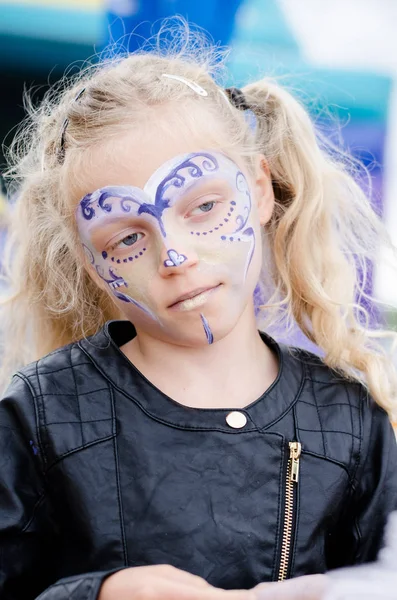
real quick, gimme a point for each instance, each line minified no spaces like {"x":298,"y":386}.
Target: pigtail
{"x":322,"y":237}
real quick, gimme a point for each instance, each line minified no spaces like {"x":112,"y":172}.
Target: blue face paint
{"x":194,"y":210}
{"x":179,"y":176}
{"x":207,"y":329}
{"x":114,"y":282}
{"x":175,"y":259}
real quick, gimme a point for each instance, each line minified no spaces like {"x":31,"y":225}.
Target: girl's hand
{"x":309,"y":587}
{"x":163,"y":582}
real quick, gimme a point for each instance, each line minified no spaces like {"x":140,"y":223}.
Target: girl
{"x":162,"y":432}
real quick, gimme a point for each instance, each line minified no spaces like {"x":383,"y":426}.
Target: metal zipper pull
{"x":295,"y":449}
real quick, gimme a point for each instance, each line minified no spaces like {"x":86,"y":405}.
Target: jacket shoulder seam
{"x":36,"y":413}
{"x":330,"y":431}
{"x":319,"y":418}
{"x":330,"y":404}
{"x":77,"y":396}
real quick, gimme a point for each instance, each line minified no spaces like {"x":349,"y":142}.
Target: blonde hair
{"x":320,"y":239}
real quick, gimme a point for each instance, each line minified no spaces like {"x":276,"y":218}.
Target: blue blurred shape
{"x":43,"y":38}
{"x":73,"y":25}
{"x":262,"y":22}
{"x":130,"y":22}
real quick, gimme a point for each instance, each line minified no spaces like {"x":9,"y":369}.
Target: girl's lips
{"x":191,"y":294}
{"x":194,"y":301}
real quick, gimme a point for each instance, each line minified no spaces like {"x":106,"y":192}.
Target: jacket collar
{"x":104,"y":350}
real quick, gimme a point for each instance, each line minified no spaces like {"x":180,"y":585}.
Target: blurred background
{"x":340,"y":56}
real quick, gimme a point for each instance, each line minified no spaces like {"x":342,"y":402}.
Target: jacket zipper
{"x":295,"y":449}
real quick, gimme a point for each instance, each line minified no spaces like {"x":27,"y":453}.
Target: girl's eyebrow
{"x":100,"y":234}
{"x":105,"y":220}
{"x":195,"y":186}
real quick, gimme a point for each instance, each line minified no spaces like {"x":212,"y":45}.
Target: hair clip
{"x":79,"y":94}
{"x":192,"y":84}
{"x":61,"y":149}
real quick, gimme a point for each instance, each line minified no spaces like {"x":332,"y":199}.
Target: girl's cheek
{"x":138,"y":277}
{"x":226,"y":255}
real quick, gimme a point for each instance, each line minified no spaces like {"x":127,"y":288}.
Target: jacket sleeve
{"x":28,"y":528}
{"x":373,"y":496}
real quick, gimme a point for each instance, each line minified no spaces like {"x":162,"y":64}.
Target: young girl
{"x":163,"y":432}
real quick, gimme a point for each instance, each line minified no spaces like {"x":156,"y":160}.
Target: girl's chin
{"x":196,"y":337}
{"x":204,"y":332}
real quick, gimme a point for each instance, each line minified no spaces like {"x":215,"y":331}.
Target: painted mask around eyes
{"x":194,"y":204}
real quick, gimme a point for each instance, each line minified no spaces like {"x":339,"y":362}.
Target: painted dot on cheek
{"x":112,"y":258}
{"x":223,"y":237}
{"x":140,"y":254}
{"x":118,"y":260}
{"x":104,"y":254}
{"x":233,"y":203}
{"x":124,"y":260}
{"x":130,"y":258}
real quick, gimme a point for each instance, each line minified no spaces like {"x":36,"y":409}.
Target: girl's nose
{"x":176,"y":257}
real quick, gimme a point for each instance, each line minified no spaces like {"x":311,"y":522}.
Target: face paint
{"x":207,"y":329}
{"x":259,"y":299}
{"x":195,"y":210}
{"x":115,"y":282}
{"x":174,"y":259}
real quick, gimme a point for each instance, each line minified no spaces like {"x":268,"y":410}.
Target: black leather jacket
{"x":100,"y":470}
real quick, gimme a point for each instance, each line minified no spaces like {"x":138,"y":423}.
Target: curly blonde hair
{"x":319,"y":241}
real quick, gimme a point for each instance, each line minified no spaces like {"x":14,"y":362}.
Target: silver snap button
{"x":236,"y":419}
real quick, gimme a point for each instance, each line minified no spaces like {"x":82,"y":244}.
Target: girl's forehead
{"x":134,"y":156}
{"x":182,"y":167}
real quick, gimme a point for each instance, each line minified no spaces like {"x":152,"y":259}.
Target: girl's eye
{"x":207,"y":206}
{"x":128,"y":240}
{"x":203,"y":208}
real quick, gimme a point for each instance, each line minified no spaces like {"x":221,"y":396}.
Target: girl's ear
{"x":264,"y":193}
